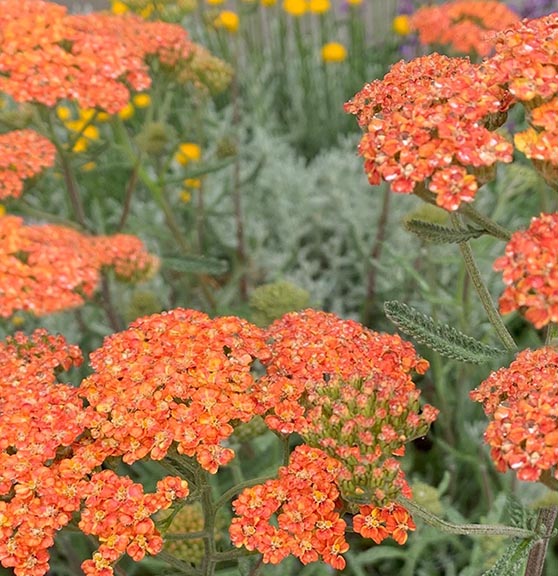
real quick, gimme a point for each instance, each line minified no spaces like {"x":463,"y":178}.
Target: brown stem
{"x":237,"y":197}
{"x":108,"y":305}
{"x":535,"y":561}
{"x":130,"y":188}
{"x":375,"y":255}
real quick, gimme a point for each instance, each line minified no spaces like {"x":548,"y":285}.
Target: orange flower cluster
{"x":174,"y":385}
{"x":521,"y":401}
{"x":304,"y":503}
{"x":186,"y":379}
{"x":464,"y":26}
{"x":530,"y":271}
{"x":47,"y":460}
{"x":380,"y":523}
{"x":117,"y":511}
{"x":23,"y":154}
{"x":45,"y":269}
{"x":427,"y":122}
{"x":304,"y":499}
{"x":47,"y":55}
{"x":526,"y":60}
{"x":311,"y":348}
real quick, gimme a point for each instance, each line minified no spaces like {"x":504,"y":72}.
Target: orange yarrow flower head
{"x":48,"y":463}
{"x":46,"y":269}
{"x":303,"y":501}
{"x":526,"y":60}
{"x":311,"y":348}
{"x":521,"y":402}
{"x":530,"y":271}
{"x":23,"y":154}
{"x":175,"y":379}
{"x":464,"y":26}
{"x":47,"y":55}
{"x":298,"y":513}
{"x":427,"y":124}
{"x":539,"y":142}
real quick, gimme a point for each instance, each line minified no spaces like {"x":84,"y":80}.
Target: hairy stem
{"x":545,"y":525}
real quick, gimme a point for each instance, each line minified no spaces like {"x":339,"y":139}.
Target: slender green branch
{"x":184,"y":567}
{"x":487,"y":224}
{"x":484,"y":295}
{"x":186,"y":535}
{"x":239,"y":488}
{"x":233,"y":554}
{"x":465,"y":529}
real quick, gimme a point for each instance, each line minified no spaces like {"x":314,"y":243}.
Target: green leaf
{"x":379,"y":553}
{"x":438,"y":234}
{"x":442,"y":338}
{"x":197,"y":265}
{"x":510,"y":563}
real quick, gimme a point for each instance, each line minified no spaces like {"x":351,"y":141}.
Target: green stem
{"x":464,"y":529}
{"x":239,"y":488}
{"x":184,"y":567}
{"x":484,"y":295}
{"x":487,"y":224}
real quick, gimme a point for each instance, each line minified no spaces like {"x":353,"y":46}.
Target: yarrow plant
{"x":211,"y":442}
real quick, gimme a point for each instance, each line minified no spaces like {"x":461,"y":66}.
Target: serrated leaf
{"x":197,"y":265}
{"x":511,"y":561}
{"x":441,"y":338}
{"x":518,"y":515}
{"x":438,"y":234}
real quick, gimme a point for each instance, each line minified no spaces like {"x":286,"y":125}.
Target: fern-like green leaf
{"x":442,"y":338}
{"x":510,"y":563}
{"x":438,"y":234}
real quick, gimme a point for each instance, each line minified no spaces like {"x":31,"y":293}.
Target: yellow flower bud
{"x":294,"y":7}
{"x":118,"y":7}
{"x":127,"y":112}
{"x":142,"y":100}
{"x":402,"y":25}
{"x":334,"y":52}
{"x":227,"y":20}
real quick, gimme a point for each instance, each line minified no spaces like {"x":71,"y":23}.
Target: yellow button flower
{"x":402,"y":25}
{"x":88,"y":166}
{"x":63,"y":112}
{"x":295,"y":7}
{"x":334,"y":52}
{"x":2,"y":210}
{"x":80,"y":145}
{"x":214,"y":2}
{"x":127,"y":112}
{"x":354,"y":2}
{"x":192,"y":182}
{"x":119,"y":7}
{"x":319,"y":6}
{"x":142,"y":100}
{"x":91,"y":132}
{"x":227,"y":20}
{"x":187,"y":151}
{"x":185,"y":196}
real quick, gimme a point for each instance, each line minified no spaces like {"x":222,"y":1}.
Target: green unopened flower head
{"x":428,"y":497}
{"x":272,"y":301}
{"x":206,"y":72}
{"x":188,"y":520}
{"x":142,"y":303}
{"x":154,"y":138}
{"x":246,"y":431}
